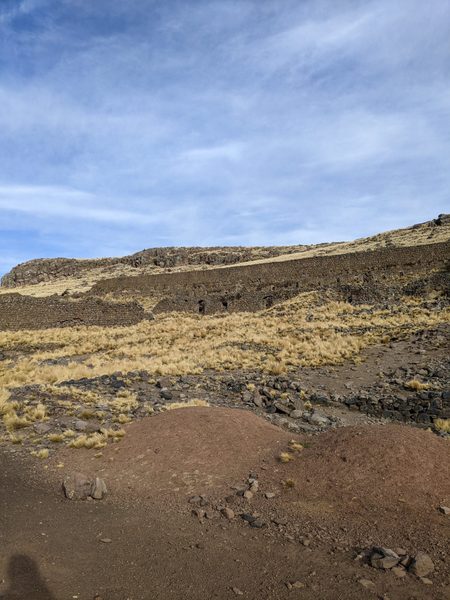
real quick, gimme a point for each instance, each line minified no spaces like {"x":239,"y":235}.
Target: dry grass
{"x":189,"y":404}
{"x":96,"y":440}
{"x":43,"y":453}
{"x":305,"y":331}
{"x":285,"y":457}
{"x":295,"y":446}
{"x":416,"y":385}
{"x":309,"y":330}
{"x":288,"y":483}
{"x":442,"y":425}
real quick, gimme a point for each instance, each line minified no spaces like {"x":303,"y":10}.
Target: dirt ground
{"x":348,"y":489}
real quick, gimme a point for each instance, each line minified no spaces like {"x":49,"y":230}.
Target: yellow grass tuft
{"x":69,"y":433}
{"x":56,"y":438}
{"x":415,"y":384}
{"x":442,"y":425}
{"x":96,"y":440}
{"x":12,"y":421}
{"x":113,"y":433}
{"x":293,"y":445}
{"x":189,"y":404}
{"x":122,"y":419}
{"x":43,"y":453}
{"x":37,"y":413}
{"x":285,"y":457}
{"x":289,"y":483}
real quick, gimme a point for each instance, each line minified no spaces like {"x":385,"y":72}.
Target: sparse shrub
{"x":122,"y":419}
{"x":69,"y":433}
{"x":296,"y":446}
{"x":96,"y":440}
{"x":12,"y":421}
{"x":56,"y":438}
{"x":285,"y":457}
{"x":289,"y":483}
{"x":188,"y":404}
{"x":416,"y":385}
{"x":442,"y":425}
{"x":43,"y":453}
{"x":36,"y":413}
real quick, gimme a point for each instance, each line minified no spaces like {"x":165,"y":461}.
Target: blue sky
{"x":126,"y":125}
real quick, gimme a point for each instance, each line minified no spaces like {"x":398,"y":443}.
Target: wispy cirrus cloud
{"x":149,"y":123}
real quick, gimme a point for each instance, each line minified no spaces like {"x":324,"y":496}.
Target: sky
{"x":145,"y":123}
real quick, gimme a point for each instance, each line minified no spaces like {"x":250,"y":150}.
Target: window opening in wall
{"x":201,"y":307}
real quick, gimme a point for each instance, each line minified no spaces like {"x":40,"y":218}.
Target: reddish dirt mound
{"x":185,"y":451}
{"x":366,"y":485}
{"x":380,"y":465}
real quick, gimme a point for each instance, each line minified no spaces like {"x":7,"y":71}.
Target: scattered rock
{"x":296,"y":414}
{"x":248,"y":495}
{"x":295,"y":585}
{"x":422,"y":565}
{"x":98,"y":490}
{"x":195,"y":500}
{"x":248,"y":517}
{"x":166,"y":394}
{"x":199,"y":513}
{"x":426,"y":581}
{"x":366,"y":583}
{"x":257,"y":400}
{"x":384,"y":558}
{"x":237,"y":591}
{"x":257,"y":524}
{"x":318,"y":420}
{"x":445,"y":510}
{"x":399,"y":572}
{"x":42,"y":428}
{"x":279,"y":521}
{"x":254,"y":486}
{"x":77,"y":486}
{"x":105,"y":540}
{"x":269,"y":495}
{"x":228,"y":513}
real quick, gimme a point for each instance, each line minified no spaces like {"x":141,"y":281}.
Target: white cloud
{"x":222,"y":122}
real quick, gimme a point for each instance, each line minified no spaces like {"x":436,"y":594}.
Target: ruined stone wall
{"x":361,"y":277}
{"x":52,"y":269}
{"x":25,"y":312}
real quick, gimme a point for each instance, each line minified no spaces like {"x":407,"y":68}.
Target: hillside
{"x":257,"y":422}
{"x":44,"y":277}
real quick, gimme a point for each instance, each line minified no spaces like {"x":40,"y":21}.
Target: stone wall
{"x":52,"y":269}
{"x":25,"y":312}
{"x":358,"y":277}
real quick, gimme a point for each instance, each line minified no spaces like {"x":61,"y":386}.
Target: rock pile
{"x":400,"y":562}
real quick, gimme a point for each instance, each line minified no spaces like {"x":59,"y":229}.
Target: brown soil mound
{"x":379,"y":465}
{"x":380,"y":484}
{"x":191,"y":450}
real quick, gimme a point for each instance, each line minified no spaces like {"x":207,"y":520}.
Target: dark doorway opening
{"x":201,"y":307}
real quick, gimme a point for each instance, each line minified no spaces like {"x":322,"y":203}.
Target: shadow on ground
{"x":25,"y":581}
